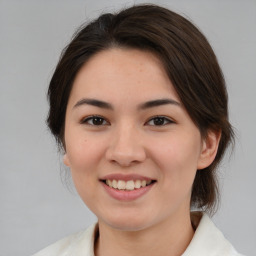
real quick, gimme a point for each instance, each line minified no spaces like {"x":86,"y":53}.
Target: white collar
{"x":207,"y":241}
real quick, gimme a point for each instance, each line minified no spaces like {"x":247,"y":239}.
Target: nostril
{"x":125,"y":150}
{"x":126,"y":159}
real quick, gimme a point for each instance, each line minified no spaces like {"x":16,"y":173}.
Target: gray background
{"x":36,"y":208}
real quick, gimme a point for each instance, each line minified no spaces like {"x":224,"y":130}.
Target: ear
{"x":209,"y":149}
{"x":66,"y":160}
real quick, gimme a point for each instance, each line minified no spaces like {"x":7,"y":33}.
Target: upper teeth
{"x":127,"y":185}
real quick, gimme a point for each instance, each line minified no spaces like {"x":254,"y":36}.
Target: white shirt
{"x":207,"y":241}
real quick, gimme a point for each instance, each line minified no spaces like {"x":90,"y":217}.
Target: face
{"x":132,"y":149}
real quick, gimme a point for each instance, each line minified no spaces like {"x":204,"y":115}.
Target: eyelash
{"x":95,"y":118}
{"x":102,"y":121}
{"x":163,"y":119}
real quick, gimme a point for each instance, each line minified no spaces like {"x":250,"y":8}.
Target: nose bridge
{"x":126,"y":146}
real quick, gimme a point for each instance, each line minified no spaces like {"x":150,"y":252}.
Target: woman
{"x":139,"y":106}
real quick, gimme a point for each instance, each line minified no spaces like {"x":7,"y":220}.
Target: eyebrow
{"x":160,"y":102}
{"x":143,"y":106}
{"x":93,"y":102}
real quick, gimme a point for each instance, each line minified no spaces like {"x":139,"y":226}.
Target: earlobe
{"x":209,"y":149}
{"x":65,"y":159}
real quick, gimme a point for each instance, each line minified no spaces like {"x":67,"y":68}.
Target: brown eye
{"x":95,"y":120}
{"x":159,"y":121}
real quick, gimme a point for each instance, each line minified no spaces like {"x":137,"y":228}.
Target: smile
{"x":127,"y":185}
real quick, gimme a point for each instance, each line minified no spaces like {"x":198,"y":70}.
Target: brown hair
{"x":189,"y":62}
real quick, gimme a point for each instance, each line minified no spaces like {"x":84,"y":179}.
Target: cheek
{"x":83,"y":161}
{"x":180,"y":151}
{"x":83,"y":153}
{"x":177,"y":159}
{"x":82,"y":158}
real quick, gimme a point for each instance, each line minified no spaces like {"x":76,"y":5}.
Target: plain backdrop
{"x":36,"y":207}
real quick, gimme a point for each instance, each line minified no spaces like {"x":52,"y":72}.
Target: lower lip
{"x":127,"y":195}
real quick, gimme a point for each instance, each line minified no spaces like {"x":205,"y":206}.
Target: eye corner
{"x":159,"y":121}
{"x":94,"y":120}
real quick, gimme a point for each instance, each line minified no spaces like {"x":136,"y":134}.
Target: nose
{"x":126,"y":147}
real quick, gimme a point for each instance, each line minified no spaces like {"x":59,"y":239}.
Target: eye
{"x":95,"y":121}
{"x":159,"y":121}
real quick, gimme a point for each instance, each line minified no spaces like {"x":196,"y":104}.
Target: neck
{"x":166,"y":238}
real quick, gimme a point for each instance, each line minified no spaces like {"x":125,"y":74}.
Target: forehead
{"x":125,"y":72}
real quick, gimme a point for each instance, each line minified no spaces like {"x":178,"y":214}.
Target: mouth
{"x":129,"y":185}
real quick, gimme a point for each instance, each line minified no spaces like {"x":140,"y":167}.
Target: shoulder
{"x":208,"y":239}
{"x":80,"y":243}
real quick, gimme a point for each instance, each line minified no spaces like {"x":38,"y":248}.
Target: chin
{"x":128,"y":222}
{"x":128,"y":226}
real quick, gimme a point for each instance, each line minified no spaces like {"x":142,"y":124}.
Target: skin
{"x":127,"y":141}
